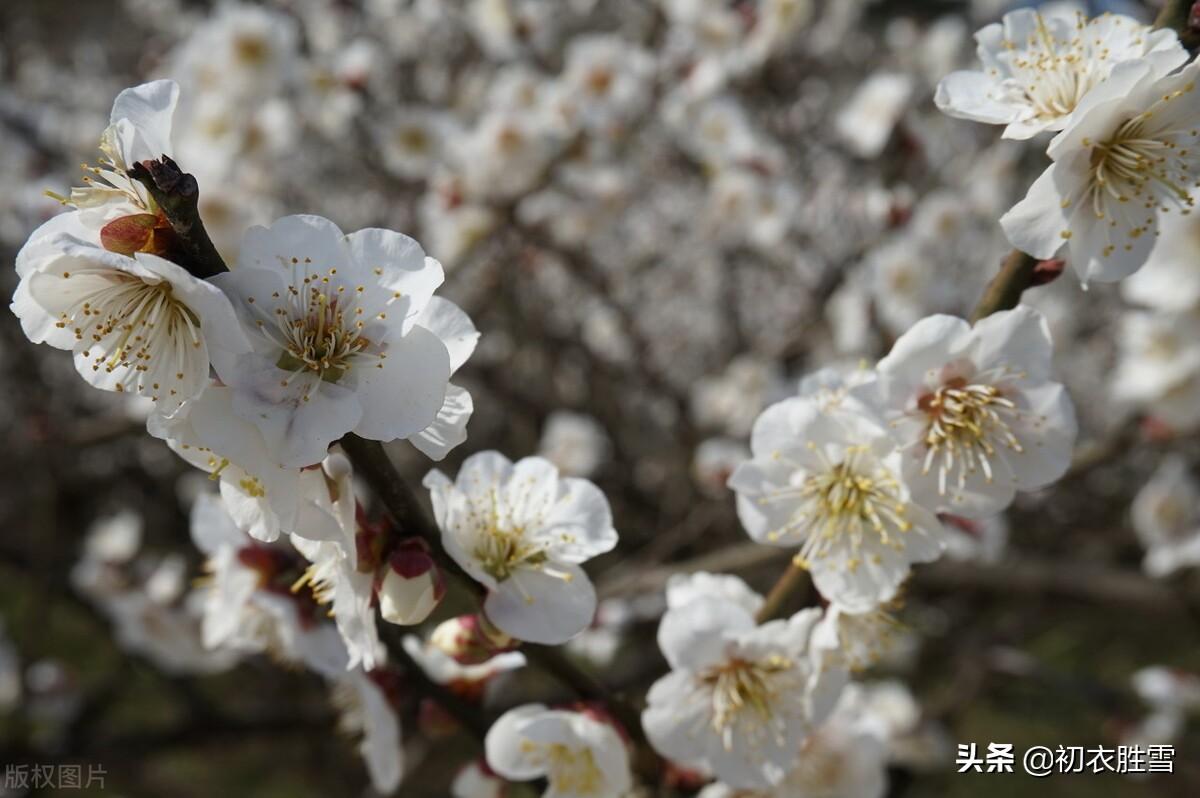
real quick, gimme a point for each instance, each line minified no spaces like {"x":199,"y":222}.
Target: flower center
{"x":744,"y":689}
{"x":1055,"y":74}
{"x":842,"y":503}
{"x":130,"y":323}
{"x":318,"y":330}
{"x":966,"y":424}
{"x":570,"y":771}
{"x":502,"y":551}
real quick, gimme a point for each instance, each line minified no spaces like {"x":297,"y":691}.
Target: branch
{"x":178,"y":197}
{"x":1005,"y":289}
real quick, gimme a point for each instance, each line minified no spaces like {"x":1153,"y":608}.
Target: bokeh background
{"x":661,"y":215}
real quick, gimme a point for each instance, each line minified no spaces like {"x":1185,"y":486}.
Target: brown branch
{"x":1005,"y":289}
{"x":178,"y":197}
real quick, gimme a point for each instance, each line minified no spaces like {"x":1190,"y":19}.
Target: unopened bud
{"x":412,"y":585}
{"x":1047,"y":271}
{"x":138,"y":232}
{"x":469,"y":639}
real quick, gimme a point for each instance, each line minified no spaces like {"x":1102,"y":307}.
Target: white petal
{"x":405,"y":396}
{"x":537,"y":607}
{"x":449,"y":429}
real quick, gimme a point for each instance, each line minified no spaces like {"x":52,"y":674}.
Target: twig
{"x":178,"y":197}
{"x":1005,"y":289}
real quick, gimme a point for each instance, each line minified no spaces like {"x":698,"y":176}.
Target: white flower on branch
{"x":347,"y":337}
{"x":466,"y":680}
{"x":138,"y":324}
{"x":578,"y":755}
{"x":1126,"y":159}
{"x":263,"y":498}
{"x":740,"y":698}
{"x":248,"y":606}
{"x":976,"y":410}
{"x":140,"y":128}
{"x":846,"y":757}
{"x":1038,"y":66}
{"x":828,"y":480}
{"x":522,"y":531}
{"x":1166,"y":518}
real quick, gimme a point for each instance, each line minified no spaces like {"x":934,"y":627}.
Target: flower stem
{"x":1005,"y":289}
{"x":787,"y":584}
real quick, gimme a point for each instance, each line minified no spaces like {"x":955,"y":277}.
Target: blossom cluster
{"x":279,"y":358}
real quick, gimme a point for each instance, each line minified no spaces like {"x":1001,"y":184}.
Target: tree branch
{"x":178,"y":197}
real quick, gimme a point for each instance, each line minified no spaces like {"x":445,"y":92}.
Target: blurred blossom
{"x":576,"y":443}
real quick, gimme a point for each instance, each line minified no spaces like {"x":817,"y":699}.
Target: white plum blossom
{"x":245,"y":607}
{"x":740,"y":698}
{"x":869,"y":117}
{"x":976,"y":410}
{"x":347,"y":337}
{"x":1166,"y":518}
{"x":139,"y":324}
{"x":576,"y":443}
{"x":1125,"y":161}
{"x":846,"y":757}
{"x":578,"y":755}
{"x":263,"y":498}
{"x":828,"y":481}
{"x":412,"y":140}
{"x":140,"y":129}
{"x":605,"y":81}
{"x":1158,"y":352}
{"x":443,"y":669}
{"x":522,"y":531}
{"x":857,"y":641}
{"x":1039,"y":64}
{"x":683,"y":589}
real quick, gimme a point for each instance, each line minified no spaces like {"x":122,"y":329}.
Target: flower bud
{"x":412,"y":584}
{"x":469,"y":639}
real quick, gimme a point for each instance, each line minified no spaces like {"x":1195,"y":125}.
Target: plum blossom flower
{"x":263,"y":498}
{"x":1125,"y":161}
{"x":248,"y":606}
{"x":578,"y":755}
{"x":976,"y":410}
{"x":140,"y":127}
{"x":522,"y":531}
{"x":1158,"y":352}
{"x":138,"y":324}
{"x":462,"y":679}
{"x":1038,"y":66}
{"x":828,"y":479}
{"x":740,"y":698}
{"x":1166,"y":518}
{"x":846,"y":757}
{"x":867,"y":120}
{"x":576,"y":443}
{"x":347,"y":337}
